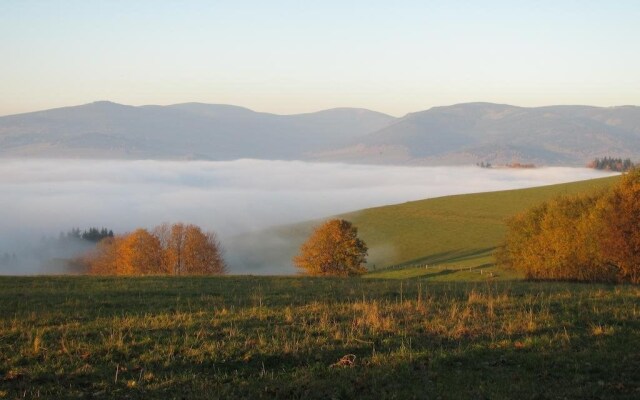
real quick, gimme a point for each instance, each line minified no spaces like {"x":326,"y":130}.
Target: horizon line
{"x":316,"y":111}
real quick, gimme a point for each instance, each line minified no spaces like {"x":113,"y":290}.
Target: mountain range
{"x":458,"y":134}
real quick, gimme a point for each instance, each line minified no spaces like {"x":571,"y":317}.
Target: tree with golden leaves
{"x":103,"y":260}
{"x":140,"y":254}
{"x":620,"y":245}
{"x":202,"y":252}
{"x":333,"y":249}
{"x":188,"y":250}
{"x":172,"y":241}
{"x":593,"y":237}
{"x":170,"y":249}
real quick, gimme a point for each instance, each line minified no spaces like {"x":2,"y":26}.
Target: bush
{"x":594,"y":237}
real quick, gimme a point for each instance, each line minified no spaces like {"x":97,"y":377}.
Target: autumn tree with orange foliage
{"x":170,"y":249}
{"x":139,"y":253}
{"x":593,"y":237}
{"x":103,"y":260}
{"x":202,"y":254}
{"x":172,"y":241}
{"x":558,"y":241}
{"x":620,"y":245}
{"x":190,"y":251}
{"x":333,"y":249}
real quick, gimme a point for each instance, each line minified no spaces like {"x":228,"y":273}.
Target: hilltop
{"x":182,"y":131}
{"x":450,"y":135}
{"x":500,"y":134}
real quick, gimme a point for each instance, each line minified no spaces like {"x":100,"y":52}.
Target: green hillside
{"x":462,"y":229}
{"x":446,"y":233}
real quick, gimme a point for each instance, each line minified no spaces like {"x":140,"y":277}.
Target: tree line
{"x":592,"y":237}
{"x":182,"y":249}
{"x":92,"y":234}
{"x":176,"y":249}
{"x":612,"y":164}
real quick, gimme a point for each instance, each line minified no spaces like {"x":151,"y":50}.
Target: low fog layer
{"x":41,"y":198}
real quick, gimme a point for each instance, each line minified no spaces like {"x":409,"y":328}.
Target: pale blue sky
{"x":300,"y":56}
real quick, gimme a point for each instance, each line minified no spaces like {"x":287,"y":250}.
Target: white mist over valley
{"x":41,"y":198}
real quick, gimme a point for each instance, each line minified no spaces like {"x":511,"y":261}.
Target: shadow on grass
{"x":592,"y":367}
{"x":403,"y":362}
{"x":435,"y":367}
{"x":431,"y":273}
{"x":446,"y":257}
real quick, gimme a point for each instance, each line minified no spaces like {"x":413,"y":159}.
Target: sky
{"x":290,"y":56}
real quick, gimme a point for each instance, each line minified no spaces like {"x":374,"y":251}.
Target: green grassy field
{"x":457,"y":232}
{"x":284,"y":337}
{"x":453,"y":232}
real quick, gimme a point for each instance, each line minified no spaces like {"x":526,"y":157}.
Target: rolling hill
{"x":182,"y":131}
{"x":459,"y":231}
{"x":500,"y":134}
{"x":458,"y":134}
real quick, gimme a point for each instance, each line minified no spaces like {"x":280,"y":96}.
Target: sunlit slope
{"x":462,"y":229}
{"x":451,"y":232}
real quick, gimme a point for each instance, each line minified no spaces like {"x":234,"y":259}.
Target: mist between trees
{"x":176,"y":249}
{"x":593,"y":237}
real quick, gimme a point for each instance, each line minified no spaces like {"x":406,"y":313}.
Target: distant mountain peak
{"x":106,"y":104}
{"x":464,"y":133}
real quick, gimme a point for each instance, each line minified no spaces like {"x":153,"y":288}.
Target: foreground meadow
{"x":294,"y":337}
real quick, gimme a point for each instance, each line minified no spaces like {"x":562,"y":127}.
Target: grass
{"x":459,"y":230}
{"x":456,"y":232}
{"x":448,"y":272}
{"x":284,"y":337}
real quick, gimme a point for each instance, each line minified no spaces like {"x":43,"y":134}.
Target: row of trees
{"x":612,"y":164}
{"x":176,"y":249}
{"x":92,"y":234}
{"x":593,"y":237}
{"x":333,"y":249}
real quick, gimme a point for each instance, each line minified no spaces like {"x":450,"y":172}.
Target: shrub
{"x":593,"y":237}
